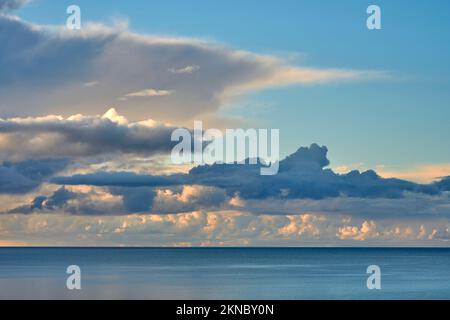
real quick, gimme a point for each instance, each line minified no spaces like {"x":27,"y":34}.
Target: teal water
{"x":224,"y":273}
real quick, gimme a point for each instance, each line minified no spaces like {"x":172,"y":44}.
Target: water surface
{"x":224,"y":273}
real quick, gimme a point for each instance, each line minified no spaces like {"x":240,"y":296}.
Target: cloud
{"x":216,"y":228}
{"x":189,"y":198}
{"x":302,"y":175}
{"x":90,"y":83}
{"x":50,"y":70}
{"x":119,"y":179}
{"x":23,"y":177}
{"x":441,"y":233}
{"x":304,"y":184}
{"x":135,"y":200}
{"x":411,"y":206}
{"x":46,"y":69}
{"x":196,"y":228}
{"x":125,"y":200}
{"x":91,"y":202}
{"x":187,"y":69}
{"x":7,"y":5}
{"x":300,"y":225}
{"x":147,"y":93}
{"x":80,"y":135}
{"x":366,"y":231}
{"x":57,"y":201}
{"x":444,"y":184}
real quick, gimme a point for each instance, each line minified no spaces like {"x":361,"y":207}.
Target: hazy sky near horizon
{"x":98,"y":105}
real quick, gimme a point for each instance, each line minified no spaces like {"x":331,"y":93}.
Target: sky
{"x":86,"y":117}
{"x":411,"y":49}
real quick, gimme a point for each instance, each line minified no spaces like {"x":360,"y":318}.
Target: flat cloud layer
{"x":221,"y":228}
{"x":54,"y":70}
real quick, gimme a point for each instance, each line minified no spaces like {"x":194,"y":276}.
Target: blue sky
{"x":400,"y":121}
{"x":82,"y":163}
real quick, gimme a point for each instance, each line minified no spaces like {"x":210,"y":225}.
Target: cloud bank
{"x":304,"y":184}
{"x":302,"y":175}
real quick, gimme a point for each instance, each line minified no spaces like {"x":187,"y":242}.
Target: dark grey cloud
{"x":303,"y":183}
{"x":443,"y":184}
{"x":302,"y":175}
{"x":64,"y":201}
{"x":23,"y":177}
{"x":57,"y":201}
{"x":132,"y":200}
{"x":135,"y":200}
{"x":120,"y":179}
{"x":83,"y":136}
{"x":34,"y":59}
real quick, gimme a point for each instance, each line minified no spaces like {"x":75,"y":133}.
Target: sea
{"x":225,"y":273}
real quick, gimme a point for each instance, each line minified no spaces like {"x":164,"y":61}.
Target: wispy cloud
{"x":147,"y":93}
{"x":187,"y":69}
{"x":90,"y":84}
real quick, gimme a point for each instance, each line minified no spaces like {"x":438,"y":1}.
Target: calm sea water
{"x":228,"y":273}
